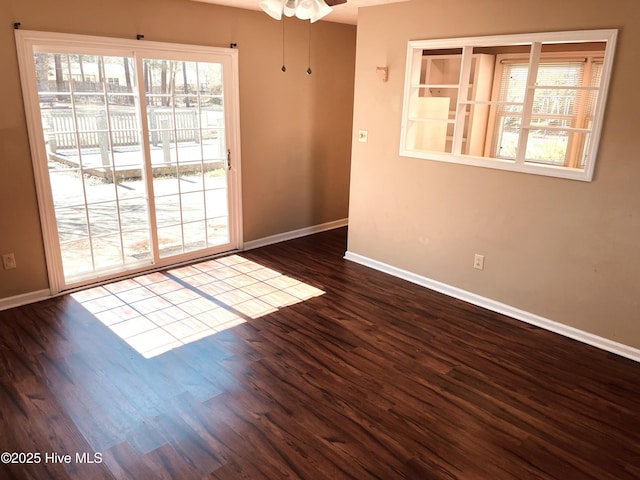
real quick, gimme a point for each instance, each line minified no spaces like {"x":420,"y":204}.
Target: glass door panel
{"x":185,"y":113}
{"x":90,"y":117}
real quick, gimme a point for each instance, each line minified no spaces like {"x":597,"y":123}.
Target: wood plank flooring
{"x":374,"y":379}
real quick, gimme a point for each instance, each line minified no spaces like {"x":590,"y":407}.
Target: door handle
{"x":228,"y":159}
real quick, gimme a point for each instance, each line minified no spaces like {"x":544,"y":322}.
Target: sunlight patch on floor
{"x":161,"y":311}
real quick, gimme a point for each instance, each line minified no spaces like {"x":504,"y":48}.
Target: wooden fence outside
{"x":93,"y":128}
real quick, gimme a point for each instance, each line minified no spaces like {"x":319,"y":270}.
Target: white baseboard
{"x":19,"y":300}
{"x":302,"y":232}
{"x":527,"y":317}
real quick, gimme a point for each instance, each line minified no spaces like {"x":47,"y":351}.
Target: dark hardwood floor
{"x":376,"y":378}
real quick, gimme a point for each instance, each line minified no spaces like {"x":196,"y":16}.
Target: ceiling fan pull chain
{"x":309,"y":69}
{"x":284,"y":69}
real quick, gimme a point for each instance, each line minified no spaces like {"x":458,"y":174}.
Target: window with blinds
{"x":529,"y":103}
{"x":564,"y":100}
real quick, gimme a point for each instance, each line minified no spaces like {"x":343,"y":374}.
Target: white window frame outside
{"x":415,"y":51}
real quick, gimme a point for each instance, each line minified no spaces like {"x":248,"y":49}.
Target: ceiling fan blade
{"x":332,"y":3}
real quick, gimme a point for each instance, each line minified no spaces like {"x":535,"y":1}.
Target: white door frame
{"x":28,"y":42}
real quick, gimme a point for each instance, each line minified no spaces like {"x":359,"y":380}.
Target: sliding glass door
{"x":131,"y":147}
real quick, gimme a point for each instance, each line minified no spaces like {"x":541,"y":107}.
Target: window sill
{"x":503,"y":164}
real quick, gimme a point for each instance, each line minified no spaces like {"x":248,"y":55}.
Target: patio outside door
{"x":132,"y":153}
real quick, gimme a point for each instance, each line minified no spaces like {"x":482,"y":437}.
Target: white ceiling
{"x":345,"y":13}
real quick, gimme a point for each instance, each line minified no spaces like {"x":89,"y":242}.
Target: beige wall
{"x":565,"y":250}
{"x":295,"y":128}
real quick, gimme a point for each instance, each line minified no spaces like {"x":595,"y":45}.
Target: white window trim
{"x":414,"y":52}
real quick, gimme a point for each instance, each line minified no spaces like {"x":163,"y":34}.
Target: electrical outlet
{"x":9,"y":261}
{"x":478,"y":262}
